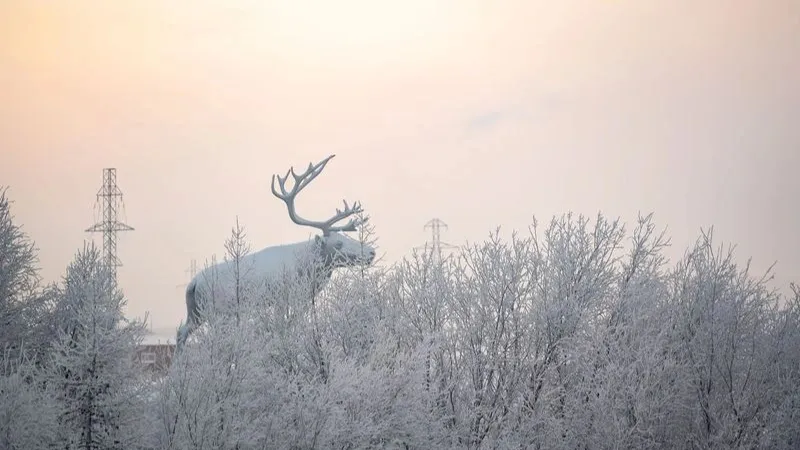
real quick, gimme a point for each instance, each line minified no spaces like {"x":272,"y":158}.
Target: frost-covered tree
{"x":236,"y":248}
{"x":382,"y":402}
{"x":781,"y":428}
{"x":209,"y":394}
{"x":725,"y":347}
{"x":623,"y":389}
{"x":27,"y":410}
{"x":350,"y":311}
{"x":21,"y":304}
{"x":522,"y":312}
{"x":381,"y":368}
{"x":97,"y":386}
{"x":227,"y":382}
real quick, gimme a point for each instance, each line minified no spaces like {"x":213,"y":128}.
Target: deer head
{"x":336,"y":248}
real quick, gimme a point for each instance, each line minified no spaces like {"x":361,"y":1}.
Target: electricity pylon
{"x":109,"y":198}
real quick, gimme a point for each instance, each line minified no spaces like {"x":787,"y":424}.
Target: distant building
{"x":155,"y":353}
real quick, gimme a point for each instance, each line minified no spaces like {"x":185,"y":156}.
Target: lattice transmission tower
{"x":433,"y":249}
{"x":109,"y":202}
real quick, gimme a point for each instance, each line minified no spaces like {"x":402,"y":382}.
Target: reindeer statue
{"x":322,"y":254}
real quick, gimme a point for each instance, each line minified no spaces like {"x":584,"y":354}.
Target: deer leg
{"x":191,"y":316}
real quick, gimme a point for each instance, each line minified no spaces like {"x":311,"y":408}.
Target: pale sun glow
{"x":361,"y":31}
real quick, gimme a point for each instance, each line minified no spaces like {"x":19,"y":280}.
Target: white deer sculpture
{"x":322,"y":255}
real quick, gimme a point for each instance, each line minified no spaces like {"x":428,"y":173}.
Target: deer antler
{"x":300,"y":182}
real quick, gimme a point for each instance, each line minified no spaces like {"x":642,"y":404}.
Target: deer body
{"x":312,"y":260}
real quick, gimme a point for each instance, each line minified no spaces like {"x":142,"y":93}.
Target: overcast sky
{"x":482,"y":113}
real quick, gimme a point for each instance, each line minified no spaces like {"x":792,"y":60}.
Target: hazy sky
{"x":483,"y":113}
